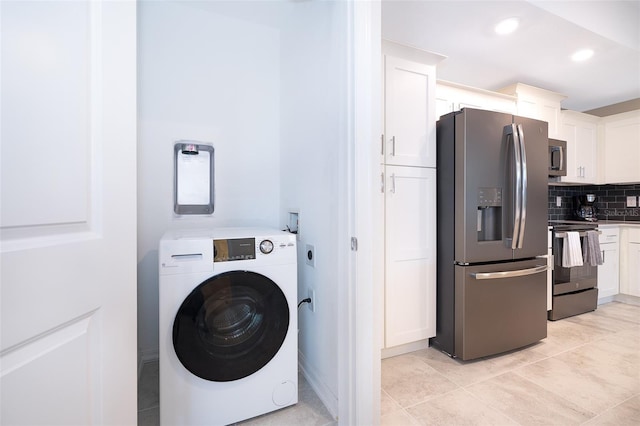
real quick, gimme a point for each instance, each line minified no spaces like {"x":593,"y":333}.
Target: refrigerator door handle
{"x":523,"y":195}
{"x":509,"y":274}
{"x":512,"y":131}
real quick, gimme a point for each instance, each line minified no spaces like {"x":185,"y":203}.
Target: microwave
{"x":557,"y":158}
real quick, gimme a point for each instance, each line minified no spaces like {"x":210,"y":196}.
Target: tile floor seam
{"x":611,"y":408}
{"x":429,"y":398}
{"x":492,"y":406}
{"x":392,"y":398}
{"x":559,"y":396}
{"x":155,"y":407}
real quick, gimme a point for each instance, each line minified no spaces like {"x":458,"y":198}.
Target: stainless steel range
{"x":575,"y":288}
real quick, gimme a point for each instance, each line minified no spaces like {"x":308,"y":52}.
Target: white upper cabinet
{"x":537,"y":103}
{"x":581,"y":133}
{"x":453,"y":97}
{"x":621,"y":147}
{"x":409,"y":106}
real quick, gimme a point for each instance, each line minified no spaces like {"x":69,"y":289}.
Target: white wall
{"x":211,"y":78}
{"x":313,"y":158}
{"x":265,"y":82}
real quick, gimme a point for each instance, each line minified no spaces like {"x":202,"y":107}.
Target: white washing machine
{"x":228,"y":325}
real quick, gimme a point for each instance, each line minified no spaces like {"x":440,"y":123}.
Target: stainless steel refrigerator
{"x":492,"y":200}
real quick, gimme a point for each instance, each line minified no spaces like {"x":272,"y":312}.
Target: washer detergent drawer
{"x":185,"y":257}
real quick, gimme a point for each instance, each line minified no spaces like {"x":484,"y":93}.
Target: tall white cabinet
{"x":410,"y":254}
{"x":408,"y":161}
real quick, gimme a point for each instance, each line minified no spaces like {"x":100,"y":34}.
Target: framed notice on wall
{"x":193,"y":185}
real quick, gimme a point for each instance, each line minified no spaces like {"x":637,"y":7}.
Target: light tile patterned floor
{"x":587,"y":371}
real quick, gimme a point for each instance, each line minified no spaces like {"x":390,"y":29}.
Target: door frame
{"x":359,"y":342}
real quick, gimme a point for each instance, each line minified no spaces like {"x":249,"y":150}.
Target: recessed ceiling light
{"x":582,"y":55}
{"x":507,"y":26}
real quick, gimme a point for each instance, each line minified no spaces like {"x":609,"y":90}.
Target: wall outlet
{"x":632,"y":201}
{"x":312,"y":295}
{"x":310,"y":255}
{"x":558,"y":201}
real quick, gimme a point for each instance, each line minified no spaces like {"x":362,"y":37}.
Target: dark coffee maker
{"x":585,"y":207}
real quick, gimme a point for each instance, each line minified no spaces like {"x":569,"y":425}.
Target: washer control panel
{"x":234,"y":249}
{"x":231,"y":249}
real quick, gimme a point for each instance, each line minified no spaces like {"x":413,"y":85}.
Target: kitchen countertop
{"x":618,"y":223}
{"x":599,"y":223}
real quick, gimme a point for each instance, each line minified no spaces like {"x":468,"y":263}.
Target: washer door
{"x":230,"y":326}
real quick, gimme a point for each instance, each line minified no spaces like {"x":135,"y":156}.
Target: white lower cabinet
{"x":632,"y":286}
{"x":630,"y":261}
{"x":410,"y":254}
{"x":609,"y":271}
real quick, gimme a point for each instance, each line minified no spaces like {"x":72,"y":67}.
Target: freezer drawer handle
{"x":508,"y":274}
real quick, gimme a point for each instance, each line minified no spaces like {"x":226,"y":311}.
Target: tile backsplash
{"x":611,"y":201}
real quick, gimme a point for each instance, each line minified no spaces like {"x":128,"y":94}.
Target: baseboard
{"x":324,"y":393}
{"x":627,"y":298}
{"x":404,"y":349}
{"x":607,"y":299}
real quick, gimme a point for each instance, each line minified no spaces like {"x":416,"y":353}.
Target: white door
{"x":410,"y":113}
{"x":68,"y":213}
{"x":410,"y":257}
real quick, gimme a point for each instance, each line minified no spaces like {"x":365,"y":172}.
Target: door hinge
{"x":382,"y":182}
{"x":354,"y":244}
{"x":382,"y":144}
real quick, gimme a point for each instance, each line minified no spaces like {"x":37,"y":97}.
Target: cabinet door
{"x":608,"y":272}
{"x":632,"y":284}
{"x":581,"y":151}
{"x":622,"y":145}
{"x":410,"y":117}
{"x":410,"y":254}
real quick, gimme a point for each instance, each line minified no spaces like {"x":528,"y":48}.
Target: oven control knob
{"x":266,"y":246}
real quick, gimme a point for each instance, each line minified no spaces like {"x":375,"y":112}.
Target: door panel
{"x":536,"y":226}
{"x":497,"y":315}
{"x":68,"y":227}
{"x":480,"y":162}
{"x":484,"y":187}
{"x":410,"y":265}
{"x":410,"y":113}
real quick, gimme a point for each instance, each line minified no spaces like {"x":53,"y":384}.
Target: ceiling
{"x":537,"y":53}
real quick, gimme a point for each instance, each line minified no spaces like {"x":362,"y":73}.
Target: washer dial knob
{"x":266,"y":246}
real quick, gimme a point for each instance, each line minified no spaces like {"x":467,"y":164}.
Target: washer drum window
{"x":231,"y":326}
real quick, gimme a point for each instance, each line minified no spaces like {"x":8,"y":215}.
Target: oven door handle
{"x":509,"y":274}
